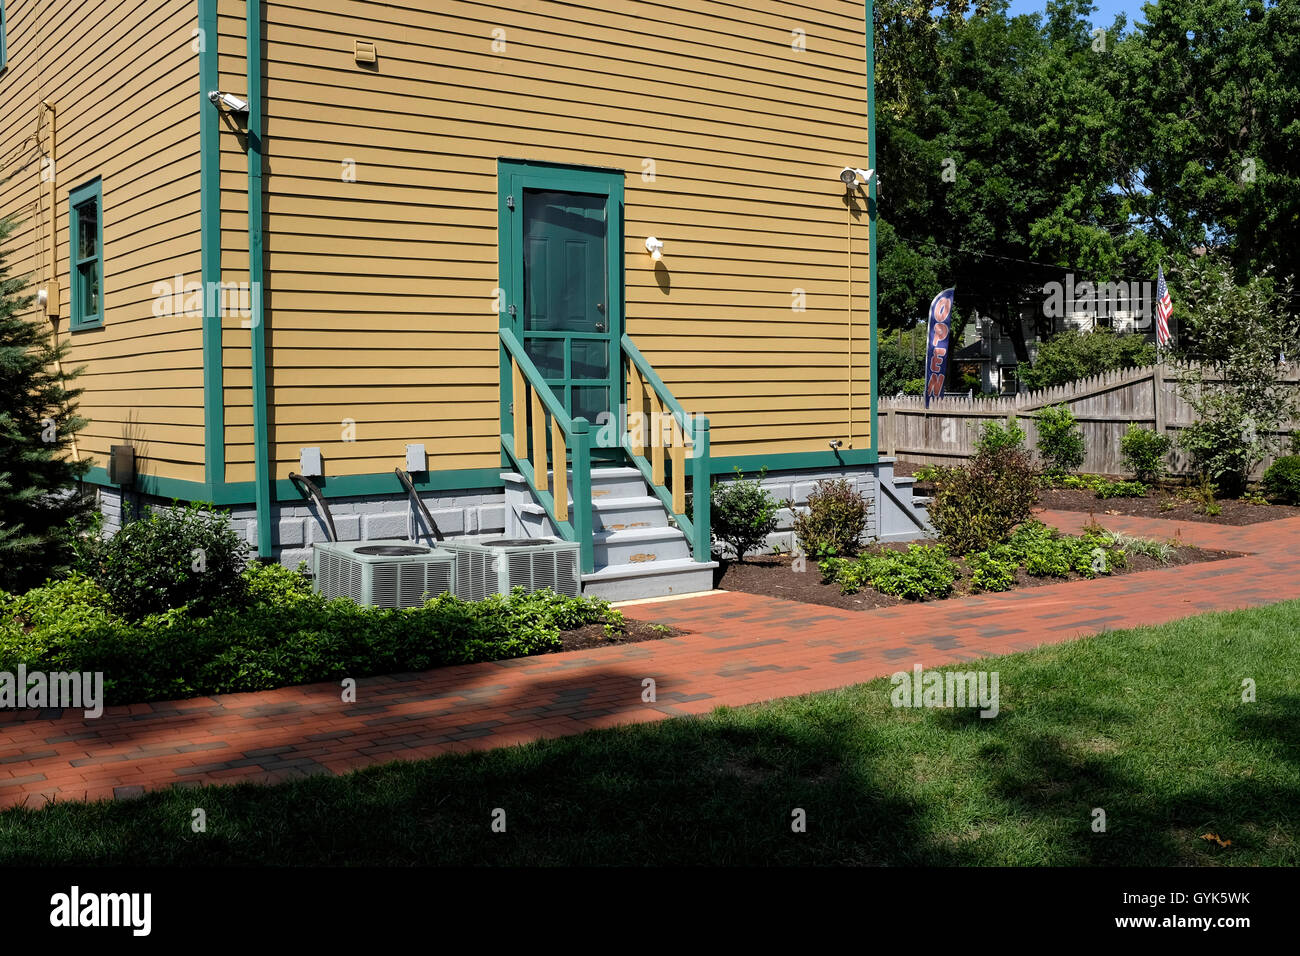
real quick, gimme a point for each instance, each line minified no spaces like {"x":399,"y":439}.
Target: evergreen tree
{"x":40,"y":497}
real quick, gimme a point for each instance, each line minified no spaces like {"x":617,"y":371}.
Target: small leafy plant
{"x":919,"y":572}
{"x":1060,"y":439}
{"x":993,"y":570}
{"x":996,"y":437}
{"x":835,"y":521}
{"x":744,"y":513}
{"x":1143,"y":452}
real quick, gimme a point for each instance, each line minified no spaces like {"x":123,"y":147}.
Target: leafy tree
{"x":1237,"y":335}
{"x":1207,"y":153}
{"x":895,"y":367}
{"x":37,"y":421}
{"x":1071,"y":356}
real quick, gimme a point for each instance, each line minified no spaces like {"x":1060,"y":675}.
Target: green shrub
{"x":993,"y":570}
{"x":1120,"y":489}
{"x":171,"y":557}
{"x":1060,"y":439}
{"x":1103,"y":487}
{"x":914,"y":386}
{"x":919,"y":572}
{"x":1223,"y":443}
{"x":286,"y":635}
{"x":835,"y":521}
{"x":1045,"y":552}
{"x":1282,"y":480}
{"x":895,"y":367}
{"x":976,"y":506}
{"x":995,"y":436}
{"x":1070,"y":356}
{"x":744,"y":512}
{"x":1143,"y":452}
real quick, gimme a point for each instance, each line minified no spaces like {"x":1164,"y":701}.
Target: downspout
{"x":872,"y":265}
{"x":261,"y":440}
{"x":52,"y":291}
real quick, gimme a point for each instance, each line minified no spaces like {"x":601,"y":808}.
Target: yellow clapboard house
{"x":470,"y":240}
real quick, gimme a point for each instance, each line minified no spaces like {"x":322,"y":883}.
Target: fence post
{"x":1158,"y":397}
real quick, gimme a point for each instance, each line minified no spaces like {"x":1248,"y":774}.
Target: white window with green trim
{"x":86,"y":214}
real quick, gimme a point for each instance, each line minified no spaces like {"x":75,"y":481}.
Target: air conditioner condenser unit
{"x":383,"y":574}
{"x":492,"y":564}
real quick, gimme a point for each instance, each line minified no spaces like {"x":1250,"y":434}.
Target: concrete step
{"x":904,"y":481}
{"x":640,"y":546}
{"x":629,"y":582}
{"x":621,"y":514}
{"x":609,"y":514}
{"x":615,"y":481}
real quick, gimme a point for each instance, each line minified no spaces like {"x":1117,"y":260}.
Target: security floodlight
{"x":229,"y":100}
{"x":655,"y":247}
{"x":850,"y":176}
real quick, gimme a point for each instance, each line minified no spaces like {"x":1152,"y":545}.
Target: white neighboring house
{"x":989,"y":349}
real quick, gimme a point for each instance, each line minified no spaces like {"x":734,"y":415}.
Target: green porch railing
{"x":529,"y":406}
{"x":657,"y":420}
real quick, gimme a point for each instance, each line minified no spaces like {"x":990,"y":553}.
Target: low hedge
{"x":287,"y":635}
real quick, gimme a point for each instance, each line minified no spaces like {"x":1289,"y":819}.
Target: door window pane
{"x":547,"y":355}
{"x":590,"y":401}
{"x":590,"y":359}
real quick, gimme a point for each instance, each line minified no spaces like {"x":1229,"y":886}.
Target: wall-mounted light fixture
{"x":855,"y":178}
{"x":228,"y":100}
{"x":836,"y":444}
{"x":655,"y":247}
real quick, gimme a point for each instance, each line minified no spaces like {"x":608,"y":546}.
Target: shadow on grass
{"x":878,"y":786}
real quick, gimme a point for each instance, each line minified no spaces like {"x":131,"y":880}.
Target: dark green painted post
{"x":701,"y":480}
{"x":581,"y":516}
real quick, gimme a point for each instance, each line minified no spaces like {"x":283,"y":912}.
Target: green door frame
{"x":515,"y":176}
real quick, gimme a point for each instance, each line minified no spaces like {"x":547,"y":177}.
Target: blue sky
{"x":1104,"y":16}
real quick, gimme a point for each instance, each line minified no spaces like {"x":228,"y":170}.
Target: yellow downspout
{"x":52,"y":292}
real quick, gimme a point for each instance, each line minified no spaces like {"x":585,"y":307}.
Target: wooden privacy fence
{"x":1103,"y":404}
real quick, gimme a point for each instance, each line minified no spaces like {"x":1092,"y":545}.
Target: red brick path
{"x":742,"y":649}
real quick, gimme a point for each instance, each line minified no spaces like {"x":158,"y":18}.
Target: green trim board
{"x":873,"y":267}
{"x":86,"y":269}
{"x":4,"y":50}
{"x":343,"y":486}
{"x":257,"y":327}
{"x":794,"y":461}
{"x":214,"y":412}
{"x":465,"y":479}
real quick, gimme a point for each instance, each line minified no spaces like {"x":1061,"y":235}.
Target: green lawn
{"x":1148,"y":725}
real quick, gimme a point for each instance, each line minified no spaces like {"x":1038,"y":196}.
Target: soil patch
{"x":593,"y":635}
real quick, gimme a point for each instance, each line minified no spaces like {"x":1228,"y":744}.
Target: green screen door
{"x":566,"y":328}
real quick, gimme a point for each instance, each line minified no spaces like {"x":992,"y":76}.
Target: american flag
{"x":1164,"y":309}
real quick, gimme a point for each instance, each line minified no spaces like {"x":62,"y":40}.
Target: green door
{"x":567,"y":330}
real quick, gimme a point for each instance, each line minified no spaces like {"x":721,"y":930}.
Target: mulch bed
{"x":593,"y":635}
{"x":1161,"y":503}
{"x":1165,"y":503}
{"x":774,"y":576}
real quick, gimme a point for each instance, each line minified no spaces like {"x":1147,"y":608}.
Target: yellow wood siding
{"x":380,"y":291}
{"x":124,"y":81}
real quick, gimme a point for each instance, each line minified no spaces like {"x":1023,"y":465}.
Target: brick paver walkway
{"x":742,"y":649}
